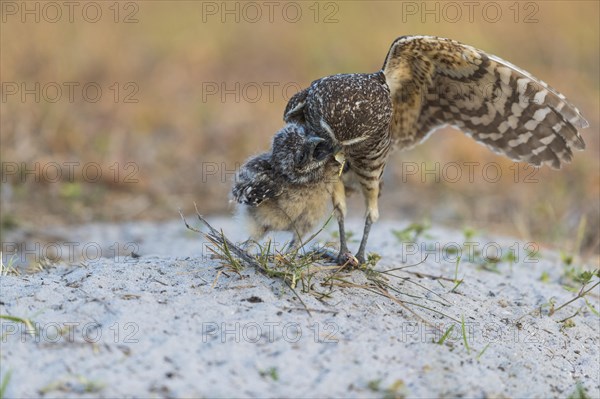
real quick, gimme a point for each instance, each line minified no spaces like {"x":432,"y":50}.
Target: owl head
{"x":300,"y":156}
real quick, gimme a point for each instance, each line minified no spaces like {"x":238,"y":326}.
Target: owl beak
{"x":314,"y":141}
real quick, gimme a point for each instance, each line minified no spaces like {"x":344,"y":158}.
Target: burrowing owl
{"x":288,"y":188}
{"x":428,"y":82}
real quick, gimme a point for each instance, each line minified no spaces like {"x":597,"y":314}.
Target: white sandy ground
{"x":162,"y":325}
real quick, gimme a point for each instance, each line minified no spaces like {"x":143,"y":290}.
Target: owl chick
{"x":289,"y":188}
{"x":426,"y":83}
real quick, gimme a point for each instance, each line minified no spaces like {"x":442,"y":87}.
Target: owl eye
{"x":302,"y":158}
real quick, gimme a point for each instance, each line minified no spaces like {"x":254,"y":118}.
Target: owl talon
{"x":348,"y":260}
{"x":343,"y":258}
{"x":360,"y":258}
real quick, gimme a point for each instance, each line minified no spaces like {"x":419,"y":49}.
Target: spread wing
{"x":255,"y":182}
{"x":436,"y":82}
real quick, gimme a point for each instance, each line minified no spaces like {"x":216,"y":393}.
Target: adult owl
{"x":426,"y":83}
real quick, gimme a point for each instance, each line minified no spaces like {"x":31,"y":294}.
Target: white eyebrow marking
{"x":355,"y":140}
{"x":329,"y":131}
{"x":296,"y":108}
{"x":327,"y":128}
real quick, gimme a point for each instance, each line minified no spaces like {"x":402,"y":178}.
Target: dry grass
{"x":172,"y":134}
{"x":300,"y":269}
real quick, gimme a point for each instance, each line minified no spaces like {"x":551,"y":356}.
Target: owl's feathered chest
{"x":296,"y":208}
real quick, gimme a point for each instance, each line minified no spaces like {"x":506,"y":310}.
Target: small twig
{"x":431,"y":276}
{"x":570,"y":317}
{"x":408,"y":280}
{"x":334,"y":312}
{"x":300,"y":299}
{"x":407,"y":266}
{"x":581,"y":294}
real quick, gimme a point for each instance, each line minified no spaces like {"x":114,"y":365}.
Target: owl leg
{"x":295,"y":243}
{"x":338,"y":198}
{"x":344,"y":256}
{"x":257,"y":232}
{"x":300,"y":228}
{"x":371,"y":193}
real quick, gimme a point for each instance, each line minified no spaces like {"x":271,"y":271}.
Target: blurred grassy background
{"x":177,"y":131}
